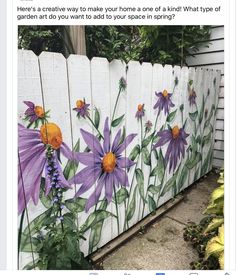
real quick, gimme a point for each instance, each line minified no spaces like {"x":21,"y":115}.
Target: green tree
{"x":155,"y":44}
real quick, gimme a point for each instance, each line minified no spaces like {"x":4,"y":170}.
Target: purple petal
{"x":33,"y":118}
{"x":84,"y":174}
{"x":89,"y":182}
{"x":94,"y":197}
{"x":121,"y":176}
{"x":65,"y":150}
{"x":89,"y":159}
{"x":124,"y":162}
{"x":126,"y":142}
{"x":29,"y":176}
{"x":92,"y":142}
{"x":29,"y":104}
{"x":109,"y":187}
{"x":106,"y":132}
{"x":116,"y":141}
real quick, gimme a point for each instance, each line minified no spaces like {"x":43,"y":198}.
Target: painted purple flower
{"x":82,"y":108}
{"x":176,"y":137}
{"x":140,"y":112}
{"x":163,"y":102}
{"x":192,"y":97}
{"x":105,"y":165}
{"x":33,"y":161}
{"x":34,"y":113}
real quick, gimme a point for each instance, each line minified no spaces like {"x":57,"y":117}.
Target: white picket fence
{"x":57,"y":83}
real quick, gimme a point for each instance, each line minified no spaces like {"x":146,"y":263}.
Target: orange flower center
{"x":50,"y":134}
{"x":165,"y":93}
{"x":80,"y":104}
{"x":109,"y":162}
{"x":140,"y":107}
{"x":39,"y":111}
{"x":175,"y":131}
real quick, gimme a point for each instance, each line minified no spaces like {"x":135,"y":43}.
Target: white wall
{"x":213,"y":57}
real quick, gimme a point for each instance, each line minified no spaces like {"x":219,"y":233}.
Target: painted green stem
{"x":144,"y":204}
{"x":130,"y":191}
{"x":114,"y":111}
{"x":100,"y":134}
{"x":117,"y":210}
{"x":20,"y":232}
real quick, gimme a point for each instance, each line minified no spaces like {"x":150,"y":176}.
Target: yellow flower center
{"x":80,"y":104}
{"x":140,"y":107}
{"x":175,"y":131}
{"x":109,"y":162}
{"x":50,"y":134}
{"x":39,"y":111}
{"x":165,"y":93}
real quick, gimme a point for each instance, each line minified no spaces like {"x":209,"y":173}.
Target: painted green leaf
{"x":29,"y":244}
{"x":76,"y":205}
{"x":201,"y":110}
{"x":155,"y":153}
{"x":161,"y":166}
{"x":69,"y":221}
{"x":171,"y":116}
{"x":45,"y":200}
{"x":154,"y":189}
{"x":190,"y":82}
{"x":96,"y":230}
{"x":36,"y":225}
{"x":169,"y":185}
{"x":207,"y":138}
{"x":151,"y":204}
{"x":185,"y":123}
{"x":132,"y":205}
{"x":198,"y":139}
{"x":96,"y":118}
{"x":94,"y":218}
{"x":140,"y":181}
{"x":95,"y":236}
{"x":159,"y":170}
{"x":182,"y":178}
{"x":103,"y":205}
{"x":193,"y":116}
{"x":71,"y":166}
{"x":117,"y":121}
{"x":147,"y":140}
{"x":207,"y":122}
{"x":122,"y":195}
{"x":146,"y":156}
{"x":194,"y":160}
{"x":134,"y":153}
{"x":123,"y":135}
{"x":207,"y":162}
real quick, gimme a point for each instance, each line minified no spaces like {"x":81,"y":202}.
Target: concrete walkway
{"x":162,"y":247}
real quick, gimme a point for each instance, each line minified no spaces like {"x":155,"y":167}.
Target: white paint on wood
{"x":58,"y":83}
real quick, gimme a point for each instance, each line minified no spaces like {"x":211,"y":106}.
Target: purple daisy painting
{"x":34,"y":112}
{"x":140,"y":112}
{"x":176,"y":137}
{"x":33,"y":161}
{"x":82,"y":108}
{"x":192,"y":97}
{"x":163,"y":102}
{"x":105,"y":165}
